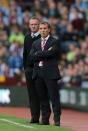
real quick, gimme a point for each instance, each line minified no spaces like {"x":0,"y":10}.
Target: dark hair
{"x":46,"y":23}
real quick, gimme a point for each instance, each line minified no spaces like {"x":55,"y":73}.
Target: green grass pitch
{"x":9,"y":123}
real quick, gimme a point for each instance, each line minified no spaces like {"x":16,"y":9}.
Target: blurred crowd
{"x":69,"y":23}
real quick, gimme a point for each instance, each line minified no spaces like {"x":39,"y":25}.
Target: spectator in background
{"x":59,"y":8}
{"x":52,"y":8}
{"x":14,"y":18}
{"x":13,"y":6}
{"x":83,"y":4}
{"x":15,"y":63}
{"x":78,"y":21}
{"x":16,"y":46}
{"x":54,"y":32}
{"x":76,"y":78}
{"x":71,"y":56}
{"x":69,"y":36}
{"x":16,"y":35}
{"x":26,"y":17}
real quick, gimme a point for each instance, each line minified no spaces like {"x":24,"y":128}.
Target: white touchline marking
{"x":15,"y":123}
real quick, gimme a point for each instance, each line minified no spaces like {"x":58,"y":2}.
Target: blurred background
{"x":69,"y":23}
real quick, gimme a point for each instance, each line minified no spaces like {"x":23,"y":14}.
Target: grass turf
{"x":23,"y":125}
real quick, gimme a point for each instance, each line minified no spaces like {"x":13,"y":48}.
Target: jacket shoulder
{"x":27,"y":36}
{"x":55,"y":39}
{"x":37,"y":41}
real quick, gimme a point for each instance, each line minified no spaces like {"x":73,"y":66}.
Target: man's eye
{"x":34,"y":24}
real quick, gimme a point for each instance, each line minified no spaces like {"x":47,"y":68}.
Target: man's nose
{"x":42,"y":30}
{"x":33,"y":26}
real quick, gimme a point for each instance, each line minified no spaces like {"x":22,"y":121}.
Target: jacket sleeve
{"x":32,"y":54}
{"x":24,"y":53}
{"x":50,"y":53}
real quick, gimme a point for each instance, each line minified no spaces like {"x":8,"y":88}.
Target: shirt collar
{"x":46,"y":38}
{"x":35,"y":34}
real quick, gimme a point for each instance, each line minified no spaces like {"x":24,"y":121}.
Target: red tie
{"x":43,"y":43}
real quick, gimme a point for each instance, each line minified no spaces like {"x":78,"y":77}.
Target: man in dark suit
{"x":28,"y":67}
{"x":45,"y":54}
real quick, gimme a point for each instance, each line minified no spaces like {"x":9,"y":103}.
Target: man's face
{"x":44,"y":30}
{"x":34,"y":25}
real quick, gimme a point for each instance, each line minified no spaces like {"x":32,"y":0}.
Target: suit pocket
{"x":52,"y":73}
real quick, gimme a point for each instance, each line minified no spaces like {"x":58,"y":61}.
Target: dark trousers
{"x":48,"y":87}
{"x":32,"y":94}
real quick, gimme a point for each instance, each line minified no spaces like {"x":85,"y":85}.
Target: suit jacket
{"x":28,"y":41}
{"x":50,"y":56}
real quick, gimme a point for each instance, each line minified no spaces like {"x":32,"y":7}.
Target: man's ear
{"x":49,"y":30}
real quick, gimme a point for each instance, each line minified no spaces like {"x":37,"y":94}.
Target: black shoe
{"x":57,"y":123}
{"x":34,"y":121}
{"x":44,"y":123}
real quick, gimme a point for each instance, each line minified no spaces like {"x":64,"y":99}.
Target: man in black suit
{"x":45,"y":54}
{"x":28,"y":67}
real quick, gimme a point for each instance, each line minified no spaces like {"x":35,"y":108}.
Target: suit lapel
{"x":39,"y":46}
{"x":48,"y":43}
